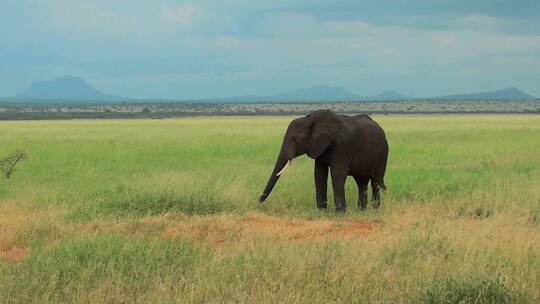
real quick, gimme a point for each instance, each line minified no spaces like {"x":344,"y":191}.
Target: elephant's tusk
{"x":284,"y":167}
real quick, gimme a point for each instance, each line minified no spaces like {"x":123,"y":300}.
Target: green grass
{"x":166,"y":211}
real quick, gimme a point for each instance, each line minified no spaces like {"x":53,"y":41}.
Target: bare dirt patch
{"x":14,"y":253}
{"x":299,"y":229}
{"x":222,"y":230}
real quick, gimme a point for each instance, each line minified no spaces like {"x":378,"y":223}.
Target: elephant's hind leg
{"x":376,"y":187}
{"x":377,"y":183}
{"x":362,"y":183}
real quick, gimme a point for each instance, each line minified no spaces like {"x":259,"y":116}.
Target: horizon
{"x":337,"y":90}
{"x":205,"y":50}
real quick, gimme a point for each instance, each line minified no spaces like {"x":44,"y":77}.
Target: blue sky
{"x":205,"y":49}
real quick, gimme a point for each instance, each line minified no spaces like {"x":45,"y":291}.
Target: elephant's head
{"x":310,"y":135}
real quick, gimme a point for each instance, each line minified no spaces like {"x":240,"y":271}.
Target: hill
{"x":389,"y":95}
{"x":315,"y":94}
{"x":65,"y":88}
{"x":508,"y":93}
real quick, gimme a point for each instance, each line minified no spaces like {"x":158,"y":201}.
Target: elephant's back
{"x":370,"y":145}
{"x":369,"y":127}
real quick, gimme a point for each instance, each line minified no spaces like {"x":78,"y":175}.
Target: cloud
{"x":76,"y":17}
{"x":426,"y":14}
{"x":177,"y":18}
{"x":187,"y":49}
{"x":348,"y":53}
{"x":83,"y":20}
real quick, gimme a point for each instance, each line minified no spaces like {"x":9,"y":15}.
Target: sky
{"x":208,"y":49}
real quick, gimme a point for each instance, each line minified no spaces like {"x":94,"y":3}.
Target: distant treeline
{"x":11,"y":111}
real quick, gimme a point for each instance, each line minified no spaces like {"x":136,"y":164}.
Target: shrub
{"x":468,"y":289}
{"x":9,"y":163}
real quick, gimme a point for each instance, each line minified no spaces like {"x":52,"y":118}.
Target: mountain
{"x":318,"y":93}
{"x":67,"y":88}
{"x":390,"y":95}
{"x":337,"y":93}
{"x":508,"y":93}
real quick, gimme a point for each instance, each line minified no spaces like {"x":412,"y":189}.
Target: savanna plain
{"x":166,"y":211}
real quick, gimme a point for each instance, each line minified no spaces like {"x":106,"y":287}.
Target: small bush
{"x":8,"y":164}
{"x":468,"y":290}
{"x":534,"y":216}
{"x":478,"y":212}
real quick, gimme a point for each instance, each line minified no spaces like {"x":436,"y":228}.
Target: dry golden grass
{"x":20,"y":223}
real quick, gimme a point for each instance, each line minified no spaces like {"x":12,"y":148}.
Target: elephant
{"x":347,"y":145}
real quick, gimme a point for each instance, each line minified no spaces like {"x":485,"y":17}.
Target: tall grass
{"x":69,"y":271}
{"x":166,"y":211}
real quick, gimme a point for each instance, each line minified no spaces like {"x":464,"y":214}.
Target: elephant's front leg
{"x":321,"y":184}
{"x":338,"y":185}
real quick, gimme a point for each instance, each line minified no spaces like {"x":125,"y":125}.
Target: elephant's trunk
{"x":281,"y":163}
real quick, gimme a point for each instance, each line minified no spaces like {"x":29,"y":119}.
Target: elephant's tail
{"x":383,"y":186}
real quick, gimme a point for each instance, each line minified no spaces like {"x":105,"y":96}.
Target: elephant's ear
{"x":324,"y":130}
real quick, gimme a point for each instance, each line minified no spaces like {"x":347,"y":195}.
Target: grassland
{"x":136,"y":211}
